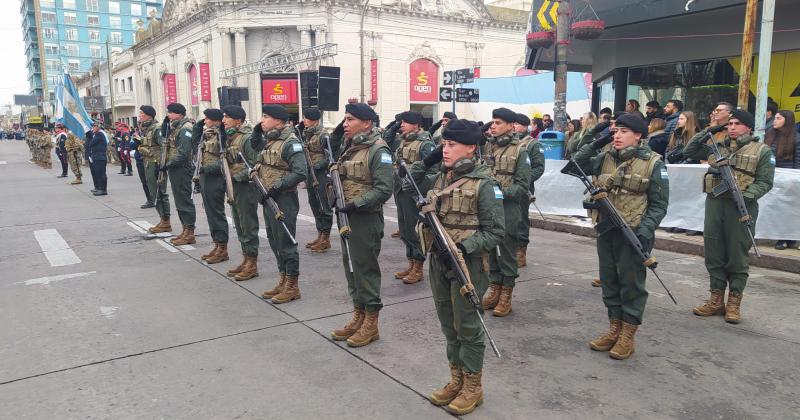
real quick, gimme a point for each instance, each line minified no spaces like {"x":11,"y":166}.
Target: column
{"x":227,"y":55}
{"x":240,"y":48}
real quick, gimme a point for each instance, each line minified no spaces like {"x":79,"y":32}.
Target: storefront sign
{"x":279,"y":91}
{"x":205,"y":82}
{"x":193,"y":85}
{"x":373,"y":79}
{"x":423,"y":81}
{"x":170,"y":88}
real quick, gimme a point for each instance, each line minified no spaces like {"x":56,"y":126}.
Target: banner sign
{"x":205,"y":82}
{"x":373,"y":64}
{"x":170,"y":88}
{"x":423,"y":81}
{"x":193,"y":86}
{"x":279,"y":91}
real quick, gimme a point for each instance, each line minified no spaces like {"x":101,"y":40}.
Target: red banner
{"x":193,"y":86}
{"x":423,"y":81}
{"x":477,"y":72}
{"x":170,"y":88}
{"x":205,"y":82}
{"x":373,"y":79}
{"x":279,"y":91}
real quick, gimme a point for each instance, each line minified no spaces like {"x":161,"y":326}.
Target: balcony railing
{"x":124,"y":99}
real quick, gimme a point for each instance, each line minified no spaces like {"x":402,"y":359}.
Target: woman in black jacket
{"x":657,"y":139}
{"x":785,"y":143}
{"x":686,"y":129}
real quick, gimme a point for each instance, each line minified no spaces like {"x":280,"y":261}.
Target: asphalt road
{"x":98,"y":323}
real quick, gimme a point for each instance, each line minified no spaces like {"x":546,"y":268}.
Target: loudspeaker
{"x":232,"y":95}
{"x":329,"y":88}
{"x":309,"y":88}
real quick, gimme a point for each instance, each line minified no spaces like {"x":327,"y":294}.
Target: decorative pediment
{"x":425,"y":50}
{"x":457,"y":8}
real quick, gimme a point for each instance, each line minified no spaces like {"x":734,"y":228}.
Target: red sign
{"x":279,"y":91}
{"x":170,"y":88}
{"x":477,"y":72}
{"x":423,"y":81}
{"x":193,"y":85}
{"x":205,"y":82}
{"x":373,"y":79}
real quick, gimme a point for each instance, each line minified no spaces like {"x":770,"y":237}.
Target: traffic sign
{"x":548,"y":15}
{"x":448,"y":78}
{"x":445,"y":94}
{"x":464,"y":76}
{"x":467,"y":95}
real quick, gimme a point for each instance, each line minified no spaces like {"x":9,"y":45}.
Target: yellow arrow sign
{"x":540,"y":15}
{"x":549,"y":9}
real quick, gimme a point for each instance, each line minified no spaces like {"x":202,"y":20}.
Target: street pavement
{"x":99,"y":323}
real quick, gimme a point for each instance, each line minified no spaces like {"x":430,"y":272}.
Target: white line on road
{"x":141,"y":226}
{"x":166,"y":246}
{"x":390,"y":218}
{"x":136,"y":227}
{"x":50,"y":279}
{"x":308,"y":219}
{"x":2,"y":162}
{"x":55,"y":248}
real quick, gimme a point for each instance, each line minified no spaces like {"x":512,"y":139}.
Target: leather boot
{"x":269,"y":294}
{"x":367,"y":333}
{"x":607,"y":340}
{"x":221,"y":254}
{"x":162,"y":226}
{"x":470,"y":396}
{"x":238,"y":269}
{"x":212,"y":252}
{"x":491,"y":297}
{"x":180,"y":235}
{"x":623,"y":349}
{"x":76,"y":181}
{"x":715,"y":305}
{"x":415,"y":275}
{"x":503,"y":307}
{"x":732,"y":314}
{"x":315,"y":241}
{"x":522,"y":259}
{"x":290,"y":292}
{"x":351,"y":327}
{"x":249,"y":270}
{"x":596,"y":283}
{"x":401,"y":274}
{"x":396,"y":234}
{"x":449,"y":392}
{"x":187,"y":238}
{"x":324,"y":243}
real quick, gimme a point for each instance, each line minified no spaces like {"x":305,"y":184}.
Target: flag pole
{"x":110,"y":85}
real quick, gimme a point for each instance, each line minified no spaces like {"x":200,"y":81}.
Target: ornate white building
{"x":404,"y":43}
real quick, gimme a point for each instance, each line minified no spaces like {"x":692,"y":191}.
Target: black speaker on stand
{"x":329,"y":88}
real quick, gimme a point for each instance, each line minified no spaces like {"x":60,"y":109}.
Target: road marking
{"x":141,"y":226}
{"x":390,"y":218}
{"x":51,"y":279}
{"x":136,"y":227}
{"x":109,"y":311}
{"x":308,"y":219}
{"x":166,"y":246}
{"x":2,"y":162}
{"x":55,"y":248}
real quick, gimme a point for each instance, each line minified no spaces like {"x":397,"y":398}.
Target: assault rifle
{"x":310,"y":163}
{"x":196,"y":174}
{"x":449,"y":253}
{"x":226,"y":170}
{"x":273,"y":206}
{"x":342,"y":218}
{"x":600,"y":197}
{"x":163,"y":162}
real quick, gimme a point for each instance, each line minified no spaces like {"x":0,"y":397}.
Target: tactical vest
{"x":271,"y":166}
{"x":148,"y":147}
{"x":234,"y":146}
{"x":409,"y":149}
{"x":457,"y":208}
{"x":504,"y":161}
{"x":744,"y":162}
{"x":210,"y":146}
{"x":354,"y":170}
{"x":314,"y":144}
{"x":627,"y":186}
{"x":172,"y":138}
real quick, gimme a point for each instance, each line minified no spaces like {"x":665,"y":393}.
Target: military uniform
{"x":150,"y":148}
{"x":61,"y":152}
{"x":726,"y":243}
{"x":212,"y":190}
{"x":536,"y":157}
{"x":323,"y":215}
{"x":179,"y":165}
{"x":46,"y":145}
{"x":74,"y":148}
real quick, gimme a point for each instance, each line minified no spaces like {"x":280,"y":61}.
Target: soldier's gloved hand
{"x":600,"y":127}
{"x":461,"y":248}
{"x":435,"y":157}
{"x":602,"y":141}
{"x":164,"y":126}
{"x":348,"y":207}
{"x":401,"y":170}
{"x":253,"y":174}
{"x":646,"y":246}
{"x":339,"y":130}
{"x":273,"y":192}
{"x":258,"y":130}
{"x":717,"y":128}
{"x":197,"y":128}
{"x":301,"y":127}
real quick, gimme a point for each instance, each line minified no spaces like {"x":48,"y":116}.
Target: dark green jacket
{"x":183,"y":143}
{"x":380,"y":166}
{"x":292,"y":154}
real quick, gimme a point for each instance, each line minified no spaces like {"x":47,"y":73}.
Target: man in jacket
{"x":96,"y":145}
{"x":672,"y":110}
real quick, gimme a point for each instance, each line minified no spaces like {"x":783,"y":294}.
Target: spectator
{"x":772,"y":109}
{"x":587,"y":125}
{"x":671,"y":113}
{"x":653,"y":110}
{"x":687,"y":128}
{"x":535,"y":128}
{"x":657,"y":139}
{"x":632,"y":107}
{"x":547,"y":122}
{"x":604,"y":115}
{"x":574,"y":126}
{"x":785,"y":143}
{"x":720,"y":116}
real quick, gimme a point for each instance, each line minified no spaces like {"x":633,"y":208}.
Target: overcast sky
{"x":13,"y":74}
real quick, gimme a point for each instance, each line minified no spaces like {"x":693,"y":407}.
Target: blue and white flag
{"x":69,"y":108}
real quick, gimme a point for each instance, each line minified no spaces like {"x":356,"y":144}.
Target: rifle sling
{"x":435,"y":200}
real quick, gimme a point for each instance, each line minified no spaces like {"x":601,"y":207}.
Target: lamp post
{"x":361,"y":35}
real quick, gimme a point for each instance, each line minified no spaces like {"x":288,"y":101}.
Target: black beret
{"x":634,"y":122}
{"x":148,"y":110}
{"x":278,"y":112}
{"x":312,"y":113}
{"x":450,"y":115}
{"x":411,"y":117}
{"x":523,"y":119}
{"x":176,"y":108}
{"x":505,"y":114}
{"x":361,"y":111}
{"x":213,"y":114}
{"x":484,"y":127}
{"x":463,"y":131}
{"x":744,"y":117}
{"x":234,"y":111}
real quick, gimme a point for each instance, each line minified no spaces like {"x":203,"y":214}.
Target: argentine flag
{"x":69,"y":108}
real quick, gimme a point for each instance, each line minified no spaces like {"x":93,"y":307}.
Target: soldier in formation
{"x":150,"y":148}
{"x":176,"y":137}
{"x":212,"y":181}
{"x":74,"y":148}
{"x":315,"y":143}
{"x":61,"y":149}
{"x":536,"y":156}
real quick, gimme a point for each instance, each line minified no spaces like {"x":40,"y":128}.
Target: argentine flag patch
{"x":187,"y":134}
{"x":498,"y":193}
{"x":386,"y":158}
{"x":297,"y":147}
{"x":772,"y":160}
{"x":664,"y":174}
{"x":528,"y":159}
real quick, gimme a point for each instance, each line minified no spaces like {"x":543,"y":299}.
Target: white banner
{"x":778,"y":211}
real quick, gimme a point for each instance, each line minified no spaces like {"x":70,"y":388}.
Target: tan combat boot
{"x":76,"y":181}
{"x":623,"y":349}
{"x":503,"y":307}
{"x":415,"y":275}
{"x":351,"y":327}
{"x":396,"y":234}
{"x":211,"y":253}
{"x":470,"y":396}
{"x":179,"y":237}
{"x":492,"y":296}
{"x":249,"y":270}
{"x":236,"y":270}
{"x":401,"y":274}
{"x":522,"y":259}
{"x":732,"y":314}
{"x":187,"y":238}
{"x":221,"y":254}
{"x":715,"y":305}
{"x":291,"y":291}
{"x":324,"y":243}
{"x":162,"y":226}
{"x":449,"y":392}
{"x":269,"y":294}
{"x":315,"y":241}
{"x":596,"y":283}
{"x":367,"y":333}
{"x":607,"y":340}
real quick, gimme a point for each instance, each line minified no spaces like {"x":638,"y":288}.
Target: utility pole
{"x":562,"y":45}
{"x":764,"y":58}
{"x":110,"y":84}
{"x":361,"y":36}
{"x":746,"y":69}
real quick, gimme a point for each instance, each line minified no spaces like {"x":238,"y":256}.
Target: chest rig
{"x":210,"y":145}
{"x":172,"y":137}
{"x":409,"y":147}
{"x":354,"y":170}
{"x":627,"y":184}
{"x":234,"y":146}
{"x":271,"y":166}
{"x":316,"y":148}
{"x":504,"y":161}
{"x":742,"y":159}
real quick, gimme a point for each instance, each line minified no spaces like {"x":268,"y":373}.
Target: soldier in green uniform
{"x":74,"y":147}
{"x":177,"y":138}
{"x":150,"y":148}
{"x":636,"y":181}
{"x":281,"y":166}
{"x":469,"y":204}
{"x":314,"y":138}
{"x":511,"y":166}
{"x":244,"y":211}
{"x":415,"y":145}
{"x":437,"y":129}
{"x":536,"y":157}
{"x":365,"y":167}
{"x":726,"y":243}
{"x":212,"y":182}
{"x":46,"y":145}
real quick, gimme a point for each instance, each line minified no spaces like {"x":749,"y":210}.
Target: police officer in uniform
{"x":365,"y":167}
{"x":212,"y":182}
{"x":176,"y":131}
{"x":150,"y":148}
{"x":726,"y":243}
{"x":536,"y":157}
{"x":61,"y":149}
{"x":96,"y":146}
{"x":323,"y":216}
{"x":74,"y":148}
{"x":511,"y":167}
{"x":636,"y":181}
{"x":467,"y":201}
{"x":415,"y":145}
